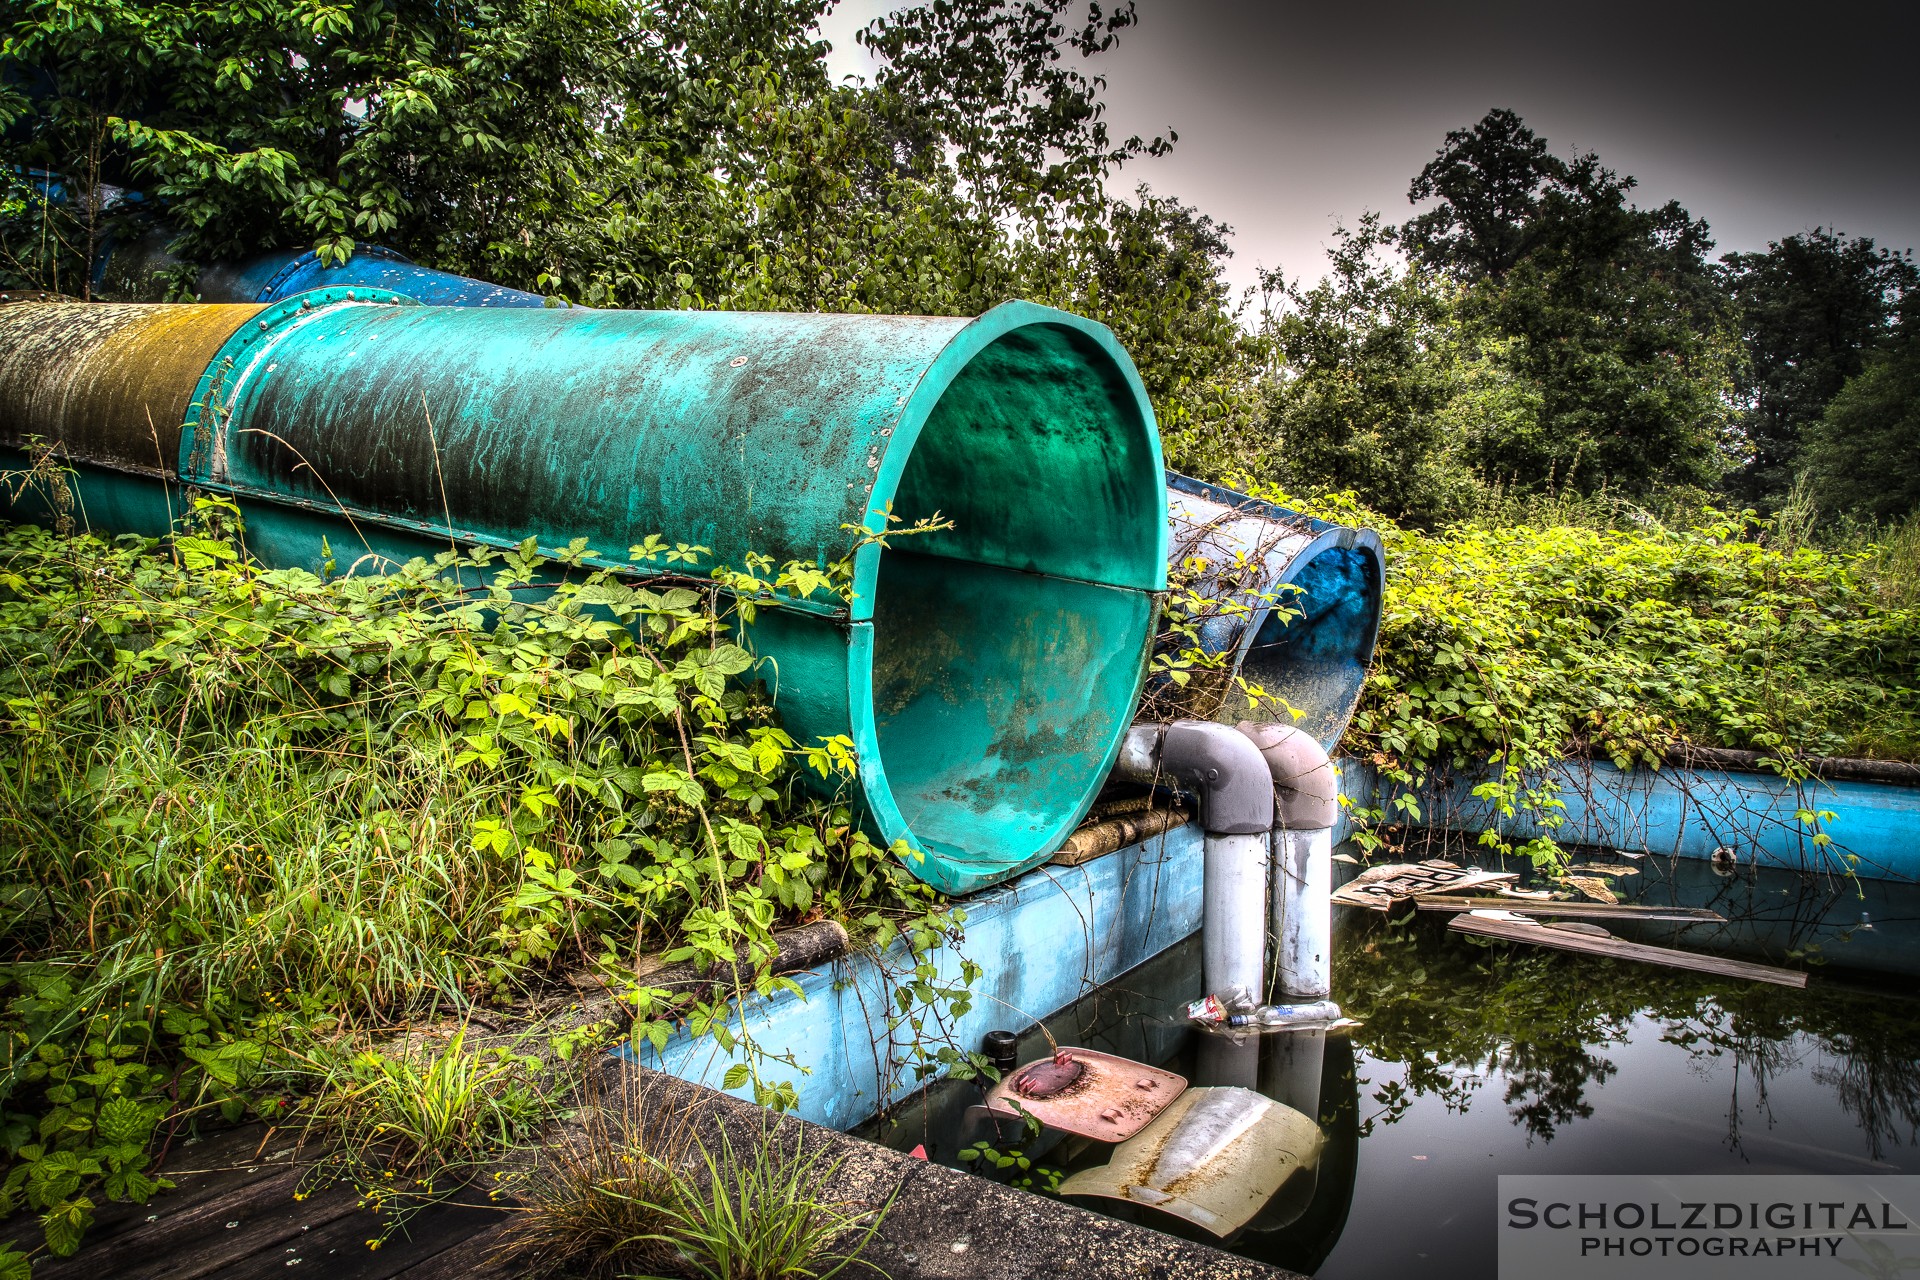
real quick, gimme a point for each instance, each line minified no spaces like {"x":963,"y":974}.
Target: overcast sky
{"x":1763,"y":119}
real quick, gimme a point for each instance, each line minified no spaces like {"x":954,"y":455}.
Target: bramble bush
{"x":1526,"y":644}
{"x":243,"y":808}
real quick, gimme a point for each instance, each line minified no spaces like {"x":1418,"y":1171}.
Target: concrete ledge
{"x":949,"y":1225}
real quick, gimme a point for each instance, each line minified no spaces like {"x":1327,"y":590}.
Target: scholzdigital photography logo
{"x":1651,"y":1226}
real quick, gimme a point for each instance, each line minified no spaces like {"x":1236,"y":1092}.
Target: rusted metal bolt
{"x":1146,"y":1082}
{"x":1112,"y":1115}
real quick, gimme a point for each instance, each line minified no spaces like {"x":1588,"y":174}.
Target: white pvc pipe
{"x":1303,"y":912}
{"x":1224,"y":1061}
{"x":1233,"y":941}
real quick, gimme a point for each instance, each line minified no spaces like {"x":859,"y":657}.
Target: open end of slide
{"x":1008,"y":651}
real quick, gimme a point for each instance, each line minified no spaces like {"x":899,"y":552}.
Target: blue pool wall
{"x":1043,"y":941}
{"x":1056,"y":933}
{"x":1872,"y":829}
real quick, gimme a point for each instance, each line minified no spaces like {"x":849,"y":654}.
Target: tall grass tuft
{"x":1891,"y":563}
{"x":758,"y":1214}
{"x":416,"y":1108}
{"x":634,"y":1189}
{"x":591,"y":1202}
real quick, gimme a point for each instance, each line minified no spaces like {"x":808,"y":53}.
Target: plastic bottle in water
{"x":1306,"y":1014}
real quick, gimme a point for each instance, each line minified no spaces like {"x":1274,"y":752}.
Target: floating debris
{"x":1085,"y":1092}
{"x":1378,"y":888}
{"x":1215,"y":1159}
{"x":1579,"y":910}
{"x":1594,"y":888}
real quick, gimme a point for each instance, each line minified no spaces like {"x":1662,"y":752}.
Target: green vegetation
{"x":252,"y":817}
{"x":419,"y":1112}
{"x":1527,"y":642}
{"x":757,"y":1214}
{"x":1859,"y":455}
{"x":591,"y":1201}
{"x":635,"y":1187}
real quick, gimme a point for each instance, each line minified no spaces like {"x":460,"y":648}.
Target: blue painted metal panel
{"x":1045,"y":940}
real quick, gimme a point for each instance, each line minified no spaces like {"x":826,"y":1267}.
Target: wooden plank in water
{"x":1571,"y":910}
{"x":1530,"y":931}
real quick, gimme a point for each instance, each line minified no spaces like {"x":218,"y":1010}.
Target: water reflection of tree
{"x":1451,"y":1012}
{"x":1762,"y":1050}
{"x":1880,"y":1090}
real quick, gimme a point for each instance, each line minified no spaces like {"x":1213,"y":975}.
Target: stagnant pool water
{"x":1478,"y":1059}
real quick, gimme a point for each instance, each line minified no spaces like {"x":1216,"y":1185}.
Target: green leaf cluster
{"x":1526,"y":645}
{"x":246,"y":807}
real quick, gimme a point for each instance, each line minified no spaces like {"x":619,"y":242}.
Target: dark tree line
{"x":1569,"y":264}
{"x":1532,"y":328}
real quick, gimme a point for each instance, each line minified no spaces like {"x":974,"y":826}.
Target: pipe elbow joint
{"x":1221,"y":765}
{"x":1306,"y":788}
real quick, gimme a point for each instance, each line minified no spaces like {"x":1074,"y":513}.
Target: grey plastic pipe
{"x":1306,"y":805}
{"x":1223,"y":767}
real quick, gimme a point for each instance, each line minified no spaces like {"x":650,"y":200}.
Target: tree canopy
{"x":1862,"y":452}
{"x":1812,"y":308}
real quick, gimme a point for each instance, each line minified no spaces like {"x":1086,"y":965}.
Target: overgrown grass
{"x":420,"y":1108}
{"x":1890,"y":562}
{"x":760,"y":1214}
{"x":249,"y":819}
{"x":634,"y":1188}
{"x":590,"y":1202}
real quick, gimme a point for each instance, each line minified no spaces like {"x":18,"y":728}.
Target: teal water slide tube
{"x":984,"y":674}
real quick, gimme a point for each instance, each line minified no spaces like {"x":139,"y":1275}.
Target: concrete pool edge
{"x":944,"y":1222}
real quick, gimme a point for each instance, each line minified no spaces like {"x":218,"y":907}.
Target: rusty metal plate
{"x":108,"y":384}
{"x":1112,"y":1099}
